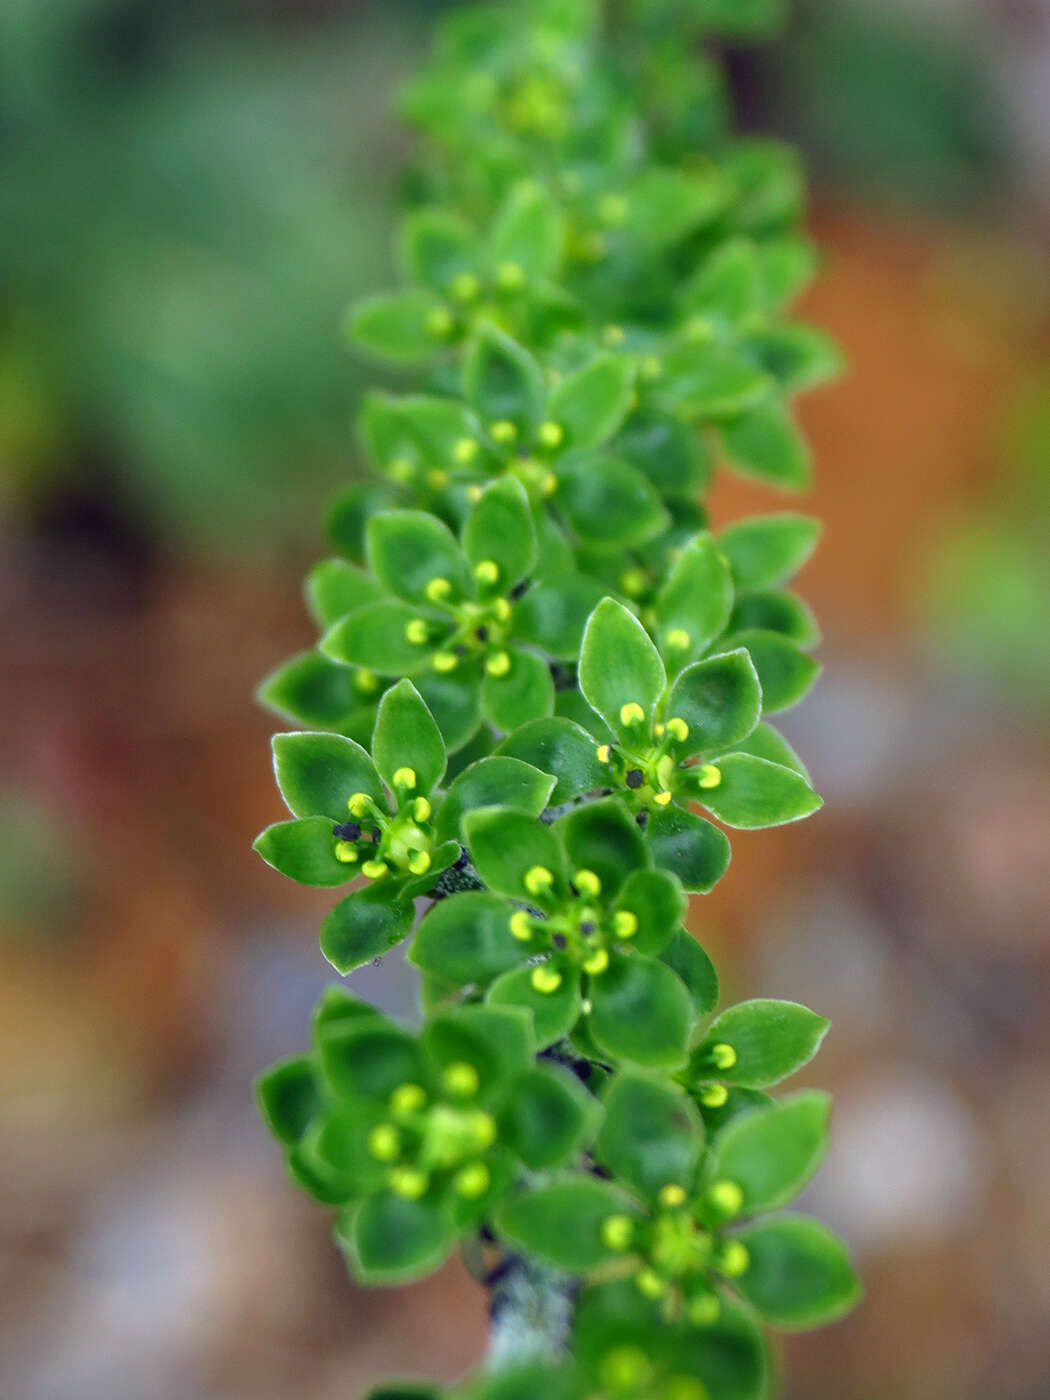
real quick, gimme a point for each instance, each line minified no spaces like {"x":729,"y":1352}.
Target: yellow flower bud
{"x":709,"y":776}
{"x":662,"y":799}
{"x":725,"y":1197}
{"x":408,"y":1182}
{"x":444,"y":661}
{"x":551,"y":434}
{"x":625,"y":924}
{"x":407,"y":1099}
{"x":374,"y":869}
{"x":438,"y":477}
{"x":617,"y":1232}
{"x":538,"y":879}
{"x":437,"y":589}
{"x":672,"y":1195}
{"x":703,"y":1310}
{"x":416,"y":631}
{"x":367,"y":682}
{"x":548,"y":484}
{"x":461,"y":1079}
{"x":631,"y":713}
{"x":487,"y":572}
{"x":587,"y":883}
{"x":679,"y":639}
{"x":471,"y":1181}
{"x":734,"y":1259}
{"x":464,"y":450}
{"x":545,"y":979}
{"x":359,"y":804}
{"x":498,"y":664}
{"x":714,"y":1096}
{"x":405,"y":777}
{"x":650,"y":1283}
{"x":384,"y":1143}
{"x":503,"y":430}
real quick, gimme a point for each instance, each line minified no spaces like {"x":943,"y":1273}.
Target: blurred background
{"x":189,"y":193}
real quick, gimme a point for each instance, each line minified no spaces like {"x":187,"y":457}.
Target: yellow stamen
{"x":723,"y":1056}
{"x":405,"y":777}
{"x":471,"y":1181}
{"x":545,"y":980}
{"x":500,"y":609}
{"x":384,"y":1143}
{"x":631,"y":713}
{"x":437,"y":589}
{"x":625,"y":924}
{"x":710,"y":776}
{"x":444,"y":661}
{"x":461,"y":1079}
{"x":464,"y":286}
{"x":416,"y":631}
{"x":421,"y":809}
{"x":662,"y":799}
{"x":650,"y":1283}
{"x":672,"y":1195}
{"x":374,"y":869}
{"x":597,"y":962}
{"x":678,"y":729}
{"x":419,"y":864}
{"x":487,"y":572}
{"x":734,"y":1259}
{"x":465,"y":450}
{"x":679,"y":639}
{"x":359,"y":804}
{"x":408,"y":1182}
{"x":603,"y":753}
{"x":510,"y":276}
{"x":617,"y":1231}
{"x":346,"y":851}
{"x":538,"y":879}
{"x":521,"y":926}
{"x":726,"y":1197}
{"x":503,"y":430}
{"x":407,"y":1098}
{"x":714,"y":1096}
{"x":548,"y":484}
{"x":499,"y":664}
{"x":551,"y":434}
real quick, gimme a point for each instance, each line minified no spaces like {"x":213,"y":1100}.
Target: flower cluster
{"x":540,"y":699}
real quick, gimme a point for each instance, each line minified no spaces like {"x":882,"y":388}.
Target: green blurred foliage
{"x":186,"y":198}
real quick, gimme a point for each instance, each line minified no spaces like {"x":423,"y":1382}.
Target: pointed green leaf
{"x":368,"y":1059}
{"x":640,"y":1012}
{"x":769,"y":1040}
{"x":651,"y":1135}
{"x":562,"y":1221}
{"x":490,"y":782}
{"x":289,"y":1096}
{"x":407,"y":737}
{"x":392,"y":1240}
{"x":694,"y":603}
{"x":689,"y":846}
{"x":658,"y":903}
{"x":319,"y":773}
{"x":561,"y":748}
{"x":304,"y":850}
{"x":549,"y":1118}
{"x":799,"y":1275}
{"x":603,"y":837}
{"x":409,"y":549}
{"x":507,"y":845}
{"x":364,"y":925}
{"x":772,"y":1152}
{"x":553,"y":1013}
{"x":620,"y":670}
{"x":755,"y":793}
{"x":436,"y":247}
{"x":502,"y":382}
{"x":552,"y":615}
{"x":786,"y":673}
{"x":500,"y":531}
{"x":335,"y":588}
{"x":467,"y":939}
{"x":766,"y":550}
{"x":720,"y":700}
{"x":766,"y":742}
{"x":607,"y":502}
{"x":590,"y":404}
{"x":684,"y":955}
{"x":379,"y":637}
{"x":320,"y":693}
{"x":398,"y":326}
{"x":498,"y":1041}
{"x":765,"y":443}
{"x":528,"y":233}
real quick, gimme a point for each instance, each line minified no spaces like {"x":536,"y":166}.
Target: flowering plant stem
{"x":542,"y":695}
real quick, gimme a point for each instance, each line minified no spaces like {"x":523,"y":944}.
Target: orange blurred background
{"x":188,"y":195}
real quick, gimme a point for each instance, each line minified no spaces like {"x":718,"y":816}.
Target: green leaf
{"x":397,"y":326}
{"x":800,"y":1274}
{"x":553,"y":1013}
{"x":436,"y":247}
{"x":322,"y":694}
{"x":497,"y":1041}
{"x":651,"y":1135}
{"x":466,"y":939}
{"x":507,"y":845}
{"x":319,"y":773}
{"x":694,"y":603}
{"x":603,"y":837}
{"x":289,"y":1097}
{"x":720,"y":700}
{"x":737,"y":1101}
{"x":640,"y":1012}
{"x":335,"y":588}
{"x":658,"y":903}
{"x":404,"y":1390}
{"x":339,"y":1142}
{"x":368,"y":1059}
{"x":490,"y":782}
{"x":727,"y":289}
{"x":755,"y":793}
{"x":798,"y":356}
{"x":669,"y":452}
{"x":408,"y":550}
{"x":500,"y":531}
{"x":607,"y":502}
{"x":708,"y":383}
{"x":689,"y":846}
{"x":765,"y":443}
{"x":768,"y":743}
{"x":785,"y":672}
{"x":620,"y":668}
{"x":684,"y":955}
{"x":364,"y":925}
{"x":339,"y":1005}
{"x":455,"y":702}
{"x":729,"y":1356}
{"x":377,"y":638}
{"x":590,"y":404}
{"x":664,"y":205}
{"x":528,"y":232}
{"x":502,"y":382}
{"x":788,"y":265}
{"x":406,"y":736}
{"x":304,"y":850}
{"x":772,"y":1152}
{"x":561,"y":748}
{"x":549,"y":1117}
{"x":525,"y":692}
{"x":770,"y":1040}
{"x":409,"y":431}
{"x":768,"y":549}
{"x":392,"y":1240}
{"x":562,"y":1221}
{"x":776,"y":610}
{"x":552,"y":615}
